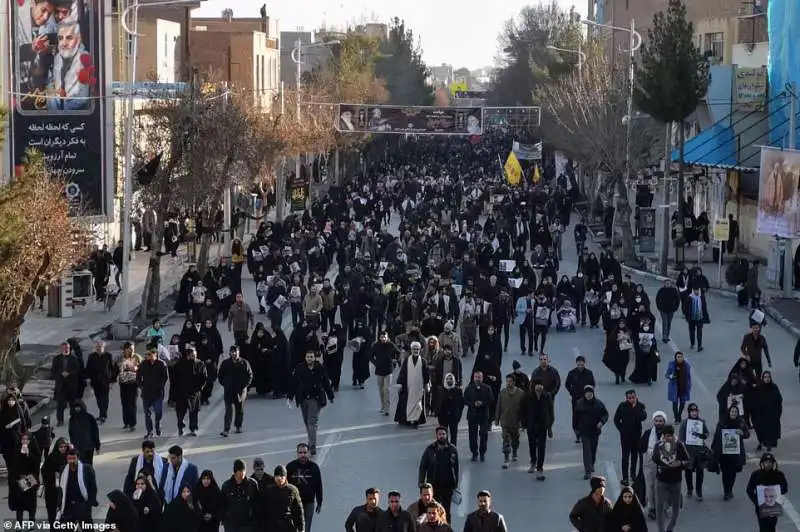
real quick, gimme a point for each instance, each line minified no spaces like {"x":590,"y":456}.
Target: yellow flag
{"x":513,"y":170}
{"x":536,"y":174}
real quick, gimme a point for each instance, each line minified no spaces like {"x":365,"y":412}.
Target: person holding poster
{"x":693,"y":432}
{"x":763,"y":488}
{"x":728,"y":448}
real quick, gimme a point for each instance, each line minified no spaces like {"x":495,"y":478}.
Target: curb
{"x":648,"y":275}
{"x":782,"y":321}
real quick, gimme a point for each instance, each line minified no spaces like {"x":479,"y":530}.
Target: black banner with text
{"x":356,"y":118}
{"x":58,"y":107}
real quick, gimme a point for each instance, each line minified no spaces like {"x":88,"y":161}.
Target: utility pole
{"x":280,"y":178}
{"x":298,"y":77}
{"x":788,"y":269}
{"x":665,"y":229}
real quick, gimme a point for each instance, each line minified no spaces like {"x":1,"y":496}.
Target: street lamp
{"x":127,"y":190}
{"x":634,"y":44}
{"x":297,"y":57}
{"x":581,"y":56}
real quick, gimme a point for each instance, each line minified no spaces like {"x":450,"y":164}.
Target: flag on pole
{"x":513,"y":169}
{"x":537,"y":176}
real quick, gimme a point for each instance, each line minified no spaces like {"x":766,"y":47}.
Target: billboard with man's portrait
{"x":58,"y":94}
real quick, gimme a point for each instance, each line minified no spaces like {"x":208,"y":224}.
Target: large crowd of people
{"x":472,"y":257}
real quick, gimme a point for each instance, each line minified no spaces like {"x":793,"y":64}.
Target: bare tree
{"x":585,"y":116}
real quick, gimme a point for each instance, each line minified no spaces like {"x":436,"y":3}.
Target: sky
{"x":462,"y":33}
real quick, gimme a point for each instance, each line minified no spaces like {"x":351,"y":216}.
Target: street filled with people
{"x":437,"y":349}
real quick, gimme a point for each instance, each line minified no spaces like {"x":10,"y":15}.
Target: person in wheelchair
{"x":566,"y":318}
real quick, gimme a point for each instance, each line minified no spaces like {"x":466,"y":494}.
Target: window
{"x":128,"y":45}
{"x":714,"y":46}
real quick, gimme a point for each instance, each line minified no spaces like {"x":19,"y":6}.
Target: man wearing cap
{"x":592,"y":415}
{"x":235,"y":376}
{"x":240,"y":500}
{"x":306,"y":476}
{"x":78,"y":490}
{"x":523,"y":382}
{"x":282,"y":507}
{"x":484,"y":519}
{"x":591,"y":513}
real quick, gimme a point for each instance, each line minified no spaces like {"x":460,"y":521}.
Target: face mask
{"x":580,"y":275}
{"x":645,"y":328}
{"x":137,"y":494}
{"x":24,"y":449}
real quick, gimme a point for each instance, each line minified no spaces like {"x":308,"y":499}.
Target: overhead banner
{"x":58,"y":106}
{"x":778,"y":195}
{"x":298,"y":189}
{"x":527,"y":152}
{"x":410,"y":120}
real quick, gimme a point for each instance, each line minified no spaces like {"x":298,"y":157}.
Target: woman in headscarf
{"x":257,"y":354}
{"x":122,"y":513}
{"x":208,"y":497}
{"x":627,"y":512}
{"x":12,"y":425}
{"x":766,"y":412}
{"x":23,"y":476}
{"x":148,"y":504}
{"x":728,"y":448}
{"x":182,"y":513}
{"x":183,"y":304}
{"x":619,"y":344}
{"x":53,"y":465}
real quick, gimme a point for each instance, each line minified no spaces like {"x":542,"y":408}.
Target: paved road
{"x":359,"y":448}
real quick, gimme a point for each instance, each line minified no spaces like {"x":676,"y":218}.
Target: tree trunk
{"x":623,"y":221}
{"x":11,"y":370}
{"x":203,"y":253}
{"x":152,"y":283}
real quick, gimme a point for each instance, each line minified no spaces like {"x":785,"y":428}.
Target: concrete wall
{"x":168,"y":51}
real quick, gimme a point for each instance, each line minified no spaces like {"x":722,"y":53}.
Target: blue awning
{"x":714,"y":147}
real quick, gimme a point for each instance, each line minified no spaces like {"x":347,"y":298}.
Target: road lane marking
{"x":612,"y":481}
{"x":464,"y":488}
{"x":325,"y":449}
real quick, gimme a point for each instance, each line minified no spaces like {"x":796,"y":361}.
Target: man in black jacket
{"x":668,"y":301}
{"x":66,"y":372}
{"x":190,"y":379}
{"x":310,"y":389}
{"x":364,"y":518}
{"x":306,"y":476}
{"x":101,"y":372}
{"x":578,"y":379}
{"x":537,"y":416}
{"x":148,"y":463}
{"x":395,"y":519}
{"x":235,"y":376}
{"x":240,"y":501}
{"x":628,"y":419}
{"x":484,"y":519}
{"x":439,"y":466}
{"x":479,"y":400}
{"x":384,"y":355}
{"x":152,"y":377}
{"x":592,"y":415}
{"x":282,"y":507}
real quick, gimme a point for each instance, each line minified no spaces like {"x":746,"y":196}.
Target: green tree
{"x":39,"y":242}
{"x":401,"y":67}
{"x":525,"y":62}
{"x":672,"y":77}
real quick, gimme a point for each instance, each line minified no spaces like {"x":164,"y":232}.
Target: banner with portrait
{"x":778,"y":194}
{"x":58,"y":103}
{"x":414,"y":120}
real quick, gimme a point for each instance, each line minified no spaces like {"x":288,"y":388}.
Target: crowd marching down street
{"x":474,"y":313}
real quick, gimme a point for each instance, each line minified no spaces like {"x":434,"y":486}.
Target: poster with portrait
{"x":736,"y":400}
{"x":58,"y":105}
{"x":731,"y":441}
{"x":418,"y":120}
{"x":768,"y":499}
{"x":778,"y":193}
{"x":694,"y":429}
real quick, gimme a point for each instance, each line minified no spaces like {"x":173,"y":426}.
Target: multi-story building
{"x":442,"y":75}
{"x":243,"y":52}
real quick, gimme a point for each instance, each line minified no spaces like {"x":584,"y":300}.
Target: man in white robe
{"x":413,"y":380}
